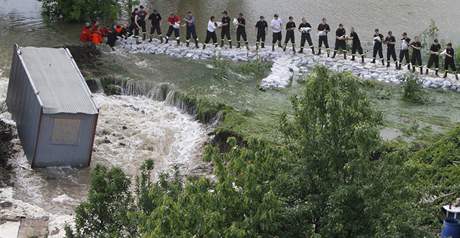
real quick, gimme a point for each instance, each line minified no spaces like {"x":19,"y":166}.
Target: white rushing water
{"x":287,"y":66}
{"x":130,"y":130}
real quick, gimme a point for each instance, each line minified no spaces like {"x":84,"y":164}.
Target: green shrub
{"x":81,"y":10}
{"x":412,"y":89}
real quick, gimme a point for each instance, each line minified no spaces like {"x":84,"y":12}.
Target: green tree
{"x":343,"y":184}
{"x":106,"y":212}
{"x":82,"y":10}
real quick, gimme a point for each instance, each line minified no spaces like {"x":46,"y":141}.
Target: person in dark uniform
{"x":449,"y":61}
{"x":241,"y":31}
{"x":305,"y":29}
{"x":155,"y":20}
{"x":261,"y":27}
{"x":434,"y":57}
{"x":225,"y":33}
{"x":140,"y":21}
{"x":174,"y":26}
{"x":356,"y":45}
{"x":191,"y":29}
{"x":323,"y":29}
{"x":132,"y":29}
{"x":211,"y":32}
{"x":416,"y":59}
{"x":378,"y":46}
{"x":340,"y":41}
{"x":404,"y":52}
{"x":276,"y":25}
{"x":390,"y":41}
{"x":112,"y":37}
{"x":290,"y":34}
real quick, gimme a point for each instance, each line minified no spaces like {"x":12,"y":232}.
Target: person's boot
{"x":187,"y":43}
{"x":373,"y":61}
{"x":445,"y":74}
{"x":421,"y":70}
{"x":301,"y":50}
{"x":284,"y":48}
{"x":413,"y":69}
{"x":313,"y":50}
{"x":383,"y":62}
{"x":345,"y":56}
{"x":328,"y":53}
{"x":426,"y":71}
{"x":362,"y":59}
{"x":436,"y":73}
{"x":319,"y":51}
{"x":230,"y":44}
{"x":247,"y":45}
{"x":150,"y":40}
{"x":166,"y":40}
{"x":352,"y":58}
{"x":293,"y":48}
{"x":178,"y":41}
{"x":222,"y":43}
{"x":456,"y":76}
{"x":273,"y":47}
{"x":263,"y":45}
{"x":238,"y":45}
{"x":408,"y":66}
{"x":204,"y":46}
{"x":257,"y":46}
{"x":161,"y":39}
{"x":396,"y":64}
{"x":388,"y":64}
{"x":333,"y":56}
{"x":143,"y":37}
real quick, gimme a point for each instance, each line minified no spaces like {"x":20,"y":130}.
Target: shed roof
{"x":60,"y":85}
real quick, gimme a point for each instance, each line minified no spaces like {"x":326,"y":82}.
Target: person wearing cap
{"x":261,"y":27}
{"x":140,"y":21}
{"x":390,"y":41}
{"x":404,"y":51}
{"x":225,"y":30}
{"x":241,"y":31}
{"x":191,"y":29}
{"x":355,"y":45}
{"x":449,"y":61}
{"x":378,"y":46}
{"x":323,"y":29}
{"x":174,"y":26}
{"x":211,"y":32}
{"x":340,"y":41}
{"x":155,"y":20}
{"x":305,"y":29}
{"x":290,"y":34}
{"x":276,"y":26}
{"x":434,"y":57}
{"x":416,"y":58}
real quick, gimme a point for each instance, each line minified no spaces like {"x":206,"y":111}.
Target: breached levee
{"x":287,"y":65}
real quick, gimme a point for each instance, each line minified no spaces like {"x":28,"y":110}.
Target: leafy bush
{"x":81,"y":10}
{"x":412,"y":89}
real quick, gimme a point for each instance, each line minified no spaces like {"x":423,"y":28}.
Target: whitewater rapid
{"x":286,"y":65}
{"x":130,"y":130}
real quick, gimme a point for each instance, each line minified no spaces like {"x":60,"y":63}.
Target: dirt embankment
{"x":6,"y":151}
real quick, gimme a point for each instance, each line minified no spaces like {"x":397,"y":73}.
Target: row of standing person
{"x":140,"y":16}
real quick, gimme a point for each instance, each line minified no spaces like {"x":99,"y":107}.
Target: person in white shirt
{"x":276,"y":26}
{"x":211,"y":32}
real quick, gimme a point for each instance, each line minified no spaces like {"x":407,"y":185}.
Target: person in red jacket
{"x":85,"y":35}
{"x":174,"y":25}
{"x":96,"y":36}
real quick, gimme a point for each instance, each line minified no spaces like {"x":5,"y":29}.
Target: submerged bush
{"x":413,"y":89}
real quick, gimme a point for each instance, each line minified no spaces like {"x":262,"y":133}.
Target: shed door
{"x":66,"y":131}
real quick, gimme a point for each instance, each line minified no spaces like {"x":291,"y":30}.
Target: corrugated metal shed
{"x":52,"y":105}
{"x":60,"y":86}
